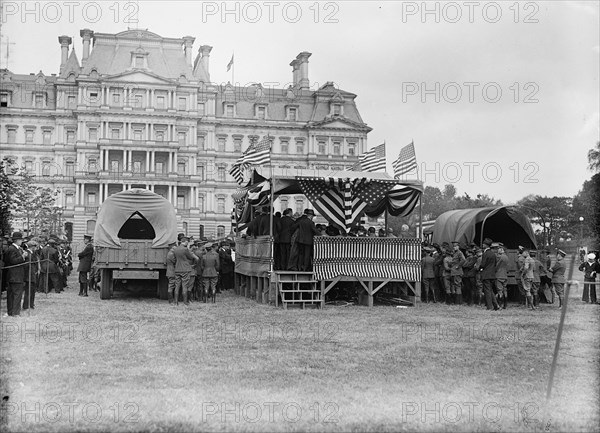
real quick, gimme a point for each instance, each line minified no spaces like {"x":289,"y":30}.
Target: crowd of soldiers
{"x":30,"y":265}
{"x":481,"y":275}
{"x":197,"y":270}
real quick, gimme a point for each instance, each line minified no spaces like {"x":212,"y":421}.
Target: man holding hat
{"x":15,"y":256}
{"x":85,"y":264}
{"x":558,"y":276}
{"x":304,"y":239}
{"x":488,"y":274}
{"x":590,"y":270}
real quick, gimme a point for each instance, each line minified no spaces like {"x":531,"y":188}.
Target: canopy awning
{"x":341,"y":197}
{"x":504,"y":224}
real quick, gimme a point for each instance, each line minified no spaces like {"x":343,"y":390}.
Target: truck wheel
{"x":106,"y":284}
{"x":163,"y":285}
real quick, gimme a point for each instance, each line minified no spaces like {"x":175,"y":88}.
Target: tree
{"x":6,"y":192}
{"x":594,"y":158}
{"x":34,"y":203}
{"x":557,"y":213}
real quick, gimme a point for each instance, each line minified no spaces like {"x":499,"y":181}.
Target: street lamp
{"x":581,"y":232}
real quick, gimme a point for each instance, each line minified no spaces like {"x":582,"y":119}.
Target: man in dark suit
{"x":227,"y":266}
{"x":304,"y":240}
{"x":488,"y":274}
{"x":49,"y":267}
{"x":85,"y":264}
{"x":31,"y":274}
{"x":285,"y":238}
{"x":15,"y":256}
{"x":264,"y":222}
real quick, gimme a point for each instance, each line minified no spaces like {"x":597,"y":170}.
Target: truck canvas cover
{"x":120,"y":207}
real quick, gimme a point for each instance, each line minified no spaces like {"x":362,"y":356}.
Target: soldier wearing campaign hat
{"x":558,"y":276}
{"x":85,"y":264}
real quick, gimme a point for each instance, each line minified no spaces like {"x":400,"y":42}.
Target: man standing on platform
{"x":558,"y":276}
{"x":15,"y":256}
{"x":285,"y":238}
{"x":488,"y":274}
{"x":306,"y":232}
{"x":85,"y":264}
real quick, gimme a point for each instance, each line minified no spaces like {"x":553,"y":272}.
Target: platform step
{"x":299,"y":291}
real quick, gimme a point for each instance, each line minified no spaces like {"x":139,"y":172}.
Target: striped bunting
{"x":372,"y":160}
{"x":326,"y":199}
{"x":383,"y":258}
{"x":399,"y":201}
{"x":406,"y":162}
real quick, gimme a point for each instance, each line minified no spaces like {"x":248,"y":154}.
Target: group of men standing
{"x":482,"y":275}
{"x":195,"y":269}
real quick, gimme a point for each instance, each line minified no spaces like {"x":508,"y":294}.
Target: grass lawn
{"x":82,"y":364}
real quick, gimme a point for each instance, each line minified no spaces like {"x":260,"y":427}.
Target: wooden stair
{"x":298,"y":289}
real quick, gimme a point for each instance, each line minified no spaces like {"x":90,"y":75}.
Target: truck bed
{"x":134,"y":254}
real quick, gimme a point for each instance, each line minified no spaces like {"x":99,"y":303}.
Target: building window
{"x":322,"y":147}
{"x":93,"y":97}
{"x":39,"y":101}
{"x":292,"y":114}
{"x":72,"y":102}
{"x":300,"y":147}
{"x":201,"y":108}
{"x":70,"y":168}
{"x":138,"y":134}
{"x":182,"y":104}
{"x":229,"y":110}
{"x":91,"y":199}
{"x":221,"y":205}
{"x":284,"y":203}
{"x":336,"y":147}
{"x":181,"y":167}
{"x":12,"y":136}
{"x":70,"y":137}
{"x":45,"y":169}
{"x":47,"y":137}
{"x":351,"y":149}
{"x":284,"y":147}
{"x":180,"y":201}
{"x":220,"y":231}
{"x":139,"y":61}
{"x":116,"y":98}
{"x":299,"y":206}
{"x":200,"y":171}
{"x":337,"y":109}
{"x":201,"y":142}
{"x":29,"y":136}
{"x":4,"y":100}
{"x":93,"y":134}
{"x":181,"y":137}
{"x":91,"y":225}
{"x":221,"y":144}
{"x":159,"y":167}
{"x":29,"y":167}
{"x":237,"y":144}
{"x":160,"y":102}
{"x":114,"y":166}
{"x":69,"y":200}
{"x":221,"y":173}
{"x":115,"y":133}
{"x":137,"y":101}
{"x":92,"y":165}
{"x":160,"y":135}
{"x":261,"y":112}
{"x":201,"y":203}
{"x":137,"y":166}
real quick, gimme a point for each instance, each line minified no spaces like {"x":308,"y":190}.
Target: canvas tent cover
{"x":120,"y":207}
{"x":503,"y":224}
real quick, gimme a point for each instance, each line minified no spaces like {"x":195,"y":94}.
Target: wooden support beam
{"x":379,"y":287}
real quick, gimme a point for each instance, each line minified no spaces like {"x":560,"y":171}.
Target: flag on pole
{"x":236,"y":171}
{"x":230,"y":64}
{"x":372,"y":160}
{"x":406,"y":162}
{"x":256,"y":154}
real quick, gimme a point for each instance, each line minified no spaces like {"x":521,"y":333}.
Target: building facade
{"x":137,"y":112}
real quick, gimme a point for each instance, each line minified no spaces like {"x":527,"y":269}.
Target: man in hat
{"x":171,"y":271}
{"x":184,"y":260}
{"x":390,"y":233}
{"x":226,"y":266}
{"x":15,"y":258}
{"x":447,"y":262}
{"x":49,"y":267}
{"x":519,"y":260}
{"x":210,"y":270}
{"x":527,"y":277}
{"x":31,"y":274}
{"x":538,"y":269}
{"x":304,"y":240}
{"x":502,"y":276}
{"x":590,"y":269}
{"x":488,"y":274}
{"x":558,"y":276}
{"x":428,"y":275}
{"x":85,"y":264}
{"x":285,"y":238}
{"x":438,"y":268}
{"x":469,"y":277}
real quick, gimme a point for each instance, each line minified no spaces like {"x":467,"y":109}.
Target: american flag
{"x":372,"y":160}
{"x":236,"y":171}
{"x":256,"y":154}
{"x":406,"y":162}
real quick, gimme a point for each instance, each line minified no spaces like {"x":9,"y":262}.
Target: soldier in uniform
{"x":501,"y":276}
{"x":428,"y":275}
{"x":519,"y":274}
{"x":184,"y":260}
{"x":447,"y":262}
{"x":49,"y":267}
{"x":558,"y":276}
{"x":488,"y":274}
{"x":456,"y":272}
{"x":210,"y":270}
{"x":438,"y":268}
{"x":85,"y":264}
{"x":171,"y":271}
{"x":527,"y":277}
{"x":469,"y":277}
{"x":538,"y":269}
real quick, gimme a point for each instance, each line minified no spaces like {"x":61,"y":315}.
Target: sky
{"x":500,"y":98}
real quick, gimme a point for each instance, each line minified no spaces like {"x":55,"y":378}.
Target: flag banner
{"x":253,"y":256}
{"x":236,"y":172}
{"x":372,"y":160}
{"x":258,"y":153}
{"x":400,"y":201}
{"x":406,"y":162}
{"x":230,"y":64}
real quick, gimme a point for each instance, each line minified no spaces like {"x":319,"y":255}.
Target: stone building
{"x":137,"y":111}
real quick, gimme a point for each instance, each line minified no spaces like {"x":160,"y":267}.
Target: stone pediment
{"x":139,"y":77}
{"x":336,"y":122}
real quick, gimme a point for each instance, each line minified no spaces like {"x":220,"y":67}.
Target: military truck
{"x":133,"y":231}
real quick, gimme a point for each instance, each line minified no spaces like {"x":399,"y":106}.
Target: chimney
{"x":302,"y":64}
{"x":294,"y":66}
{"x":86,"y":34}
{"x":188,"y":41}
{"x":65,"y":41}
{"x":205,"y":50}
